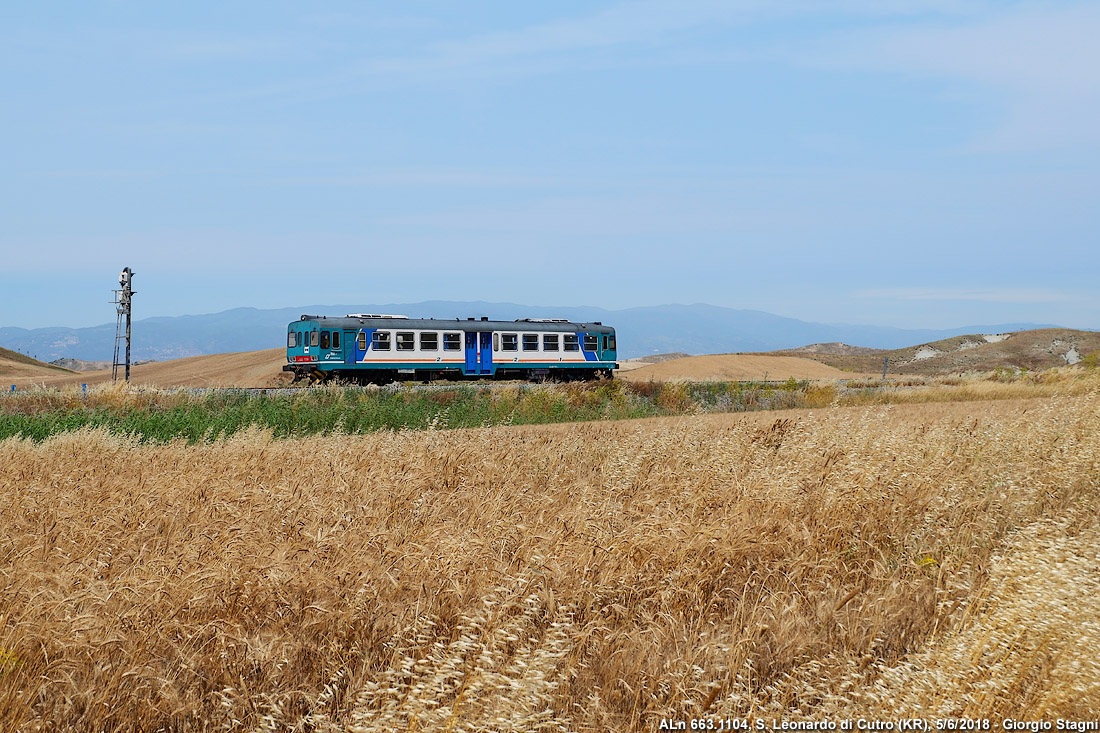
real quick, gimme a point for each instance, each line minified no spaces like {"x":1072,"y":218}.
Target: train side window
{"x":605,"y":343}
{"x":530,"y":342}
{"x":324,"y":339}
{"x":549,"y":342}
{"x":509,"y":342}
{"x":313,"y":336}
{"x":570,"y":342}
{"x":380,"y":341}
{"x":362,"y":340}
{"x":429,"y":341}
{"x":405,"y":341}
{"x":452,"y":342}
{"x":591,"y":342}
{"x":496,"y":341}
{"x":290,"y":340}
{"x":612,"y":341}
{"x":336,"y":339}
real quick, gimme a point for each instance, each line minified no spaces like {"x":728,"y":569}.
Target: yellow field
{"x":264,"y":369}
{"x":737,"y":367}
{"x":880,"y":561}
{"x":244,"y":369}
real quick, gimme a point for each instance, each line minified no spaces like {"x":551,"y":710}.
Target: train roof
{"x":375,"y":320}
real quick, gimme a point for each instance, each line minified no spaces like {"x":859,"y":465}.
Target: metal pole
{"x":127,"y":333}
{"x":885,"y":363}
{"x":123,"y":300}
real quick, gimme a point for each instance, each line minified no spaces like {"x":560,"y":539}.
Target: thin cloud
{"x":626,"y":24}
{"x":1042,"y":64}
{"x":648,"y":24}
{"x":426,"y":177}
{"x":165,"y":45}
{"x":991,"y":295}
{"x":639,"y":34}
{"x":102,"y":173}
{"x":540,"y":48}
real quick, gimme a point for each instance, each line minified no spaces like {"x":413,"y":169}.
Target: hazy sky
{"x":932,"y":163}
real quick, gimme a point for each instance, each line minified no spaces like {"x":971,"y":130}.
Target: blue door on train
{"x":479,"y":353}
{"x":486,"y":355}
{"x":471,"y":353}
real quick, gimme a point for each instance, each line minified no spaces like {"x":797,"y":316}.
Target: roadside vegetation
{"x":156,"y":415}
{"x":152,"y":415}
{"x":877,"y":562}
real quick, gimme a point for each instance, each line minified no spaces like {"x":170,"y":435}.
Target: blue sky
{"x":916,"y":164}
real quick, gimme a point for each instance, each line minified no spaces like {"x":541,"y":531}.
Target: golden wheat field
{"x":935,"y":560}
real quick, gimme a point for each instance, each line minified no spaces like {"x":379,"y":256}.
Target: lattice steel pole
{"x":122,"y":301}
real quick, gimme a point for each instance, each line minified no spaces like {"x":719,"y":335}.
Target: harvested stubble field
{"x":882,"y":561}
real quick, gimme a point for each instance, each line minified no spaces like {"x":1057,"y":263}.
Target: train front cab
{"x":302,"y":342}
{"x":312,"y":351}
{"x":600,"y":348}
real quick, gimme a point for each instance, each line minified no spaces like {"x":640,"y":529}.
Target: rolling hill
{"x":242,"y":369}
{"x":14,"y":364}
{"x":735,"y":368}
{"x":1033,"y":350}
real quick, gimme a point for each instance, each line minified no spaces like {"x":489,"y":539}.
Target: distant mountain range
{"x":694,"y":329}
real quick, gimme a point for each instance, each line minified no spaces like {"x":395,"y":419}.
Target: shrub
{"x":674,"y":397}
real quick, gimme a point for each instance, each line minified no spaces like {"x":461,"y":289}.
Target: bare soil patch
{"x":243,"y":369}
{"x":15,"y":369}
{"x":738,"y":367}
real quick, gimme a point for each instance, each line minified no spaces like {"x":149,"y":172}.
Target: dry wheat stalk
{"x":582,"y":577}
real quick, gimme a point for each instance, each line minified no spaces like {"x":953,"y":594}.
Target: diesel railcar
{"x":375,"y":348}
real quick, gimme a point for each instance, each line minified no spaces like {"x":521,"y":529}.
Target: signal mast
{"x":122,"y":305}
